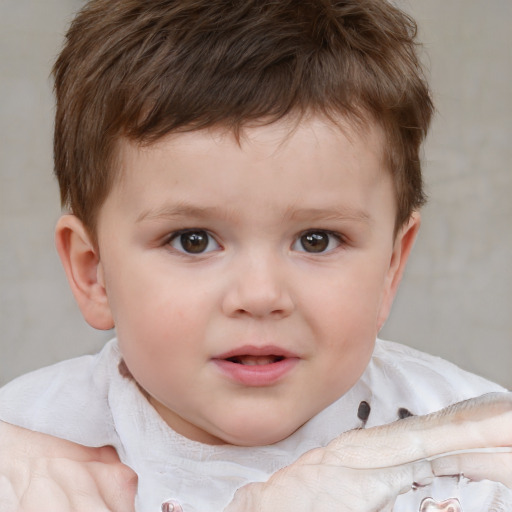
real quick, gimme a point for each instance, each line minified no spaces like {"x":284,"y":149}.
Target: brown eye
{"x":317,"y":241}
{"x":194,"y":242}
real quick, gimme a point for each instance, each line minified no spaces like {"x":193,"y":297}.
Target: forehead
{"x":308,"y":156}
{"x":262,"y":139}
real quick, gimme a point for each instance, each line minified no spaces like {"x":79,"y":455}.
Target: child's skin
{"x":256,"y":288}
{"x":297,"y":256}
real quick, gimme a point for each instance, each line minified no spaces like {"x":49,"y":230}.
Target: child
{"x":243,"y":183}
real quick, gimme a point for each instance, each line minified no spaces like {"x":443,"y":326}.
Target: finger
{"x":95,"y":484}
{"x":476,"y":466}
{"x":47,"y":493}
{"x":378,"y":489}
{"x":8,"y":498}
{"x":118,"y":486}
{"x":35,"y":444}
{"x":52,"y":498}
{"x":323,"y":488}
{"x":402,"y":479}
{"x":44,"y":495}
{"x":485,"y":421}
{"x":105,"y":454}
{"x":63,"y":485}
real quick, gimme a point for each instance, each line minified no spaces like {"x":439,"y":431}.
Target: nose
{"x":258,"y":287}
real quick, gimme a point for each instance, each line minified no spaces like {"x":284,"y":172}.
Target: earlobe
{"x":84,"y":271}
{"x":403,"y":245}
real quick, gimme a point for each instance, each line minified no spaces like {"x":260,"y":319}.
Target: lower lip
{"x":257,"y":375}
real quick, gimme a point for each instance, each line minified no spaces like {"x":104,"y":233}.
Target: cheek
{"x":348,"y":354}
{"x":151,"y":298}
{"x":161,"y":346}
{"x":346,"y":317}
{"x":352,"y":298}
{"x":156,"y":324}
{"x":160,"y":325}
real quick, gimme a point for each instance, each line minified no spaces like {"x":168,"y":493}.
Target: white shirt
{"x":87,"y":401}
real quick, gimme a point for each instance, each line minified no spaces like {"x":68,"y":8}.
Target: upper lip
{"x":252,"y":350}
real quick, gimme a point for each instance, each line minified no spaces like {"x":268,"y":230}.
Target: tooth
{"x":256,"y":360}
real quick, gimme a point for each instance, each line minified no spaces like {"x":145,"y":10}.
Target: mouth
{"x":252,"y":355}
{"x":248,"y":360}
{"x":256,"y":366}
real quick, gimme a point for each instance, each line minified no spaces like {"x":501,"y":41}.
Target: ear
{"x":81,"y":261}
{"x":403,"y":245}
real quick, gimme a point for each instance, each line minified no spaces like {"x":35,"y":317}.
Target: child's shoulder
{"x":405,"y":357}
{"x":72,"y":392}
{"x":419,"y":382}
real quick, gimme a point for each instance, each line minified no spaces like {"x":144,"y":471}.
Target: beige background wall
{"x":456,"y":300}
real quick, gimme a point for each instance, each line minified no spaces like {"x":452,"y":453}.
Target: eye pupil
{"x":194,"y":241}
{"x":315,"y":242}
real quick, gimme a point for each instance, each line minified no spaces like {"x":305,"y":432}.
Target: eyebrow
{"x":337,"y":213}
{"x":186,"y":210}
{"x":183,"y":210}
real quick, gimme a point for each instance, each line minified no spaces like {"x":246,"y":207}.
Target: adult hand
{"x":40,"y":473}
{"x":365,"y":470}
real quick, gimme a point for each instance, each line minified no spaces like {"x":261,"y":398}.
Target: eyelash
{"x":315,"y":237}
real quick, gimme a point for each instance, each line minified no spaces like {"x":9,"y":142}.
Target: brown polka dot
{"x":363,"y":411}
{"x":123,"y":370}
{"x":404,"y":413}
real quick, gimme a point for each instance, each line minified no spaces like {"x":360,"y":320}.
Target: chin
{"x":260,"y":435}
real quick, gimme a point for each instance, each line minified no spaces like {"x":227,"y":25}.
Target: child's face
{"x":248,"y":282}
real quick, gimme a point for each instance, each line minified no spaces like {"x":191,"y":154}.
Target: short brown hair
{"x":141,"y":69}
